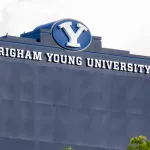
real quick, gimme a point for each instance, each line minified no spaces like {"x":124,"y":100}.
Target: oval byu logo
{"x":71,"y":35}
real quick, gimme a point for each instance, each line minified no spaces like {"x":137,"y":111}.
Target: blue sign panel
{"x":71,"y":35}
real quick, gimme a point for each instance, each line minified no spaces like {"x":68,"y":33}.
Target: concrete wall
{"x":47,"y":106}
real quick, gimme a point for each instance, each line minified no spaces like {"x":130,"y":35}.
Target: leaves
{"x":69,"y":148}
{"x":136,"y":143}
{"x":139,"y":143}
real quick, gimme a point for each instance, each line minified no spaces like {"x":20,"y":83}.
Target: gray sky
{"x":122,"y":24}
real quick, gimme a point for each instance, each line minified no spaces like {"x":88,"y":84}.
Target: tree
{"x":69,"y":148}
{"x":139,"y":143}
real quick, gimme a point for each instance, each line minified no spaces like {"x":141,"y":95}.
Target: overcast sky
{"x":122,"y":24}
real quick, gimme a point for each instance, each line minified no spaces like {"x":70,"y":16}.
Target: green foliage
{"x":69,"y":148}
{"x":139,"y":143}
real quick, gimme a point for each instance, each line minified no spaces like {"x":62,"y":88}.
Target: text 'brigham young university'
{"x":74,"y":60}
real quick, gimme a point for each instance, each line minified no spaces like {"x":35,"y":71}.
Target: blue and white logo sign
{"x":71,"y":34}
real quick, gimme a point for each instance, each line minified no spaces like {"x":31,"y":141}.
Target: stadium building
{"x":59,"y":87}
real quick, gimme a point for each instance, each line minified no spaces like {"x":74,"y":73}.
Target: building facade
{"x":59,"y":87}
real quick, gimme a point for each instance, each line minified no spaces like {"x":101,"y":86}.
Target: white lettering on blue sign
{"x":73,"y":37}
